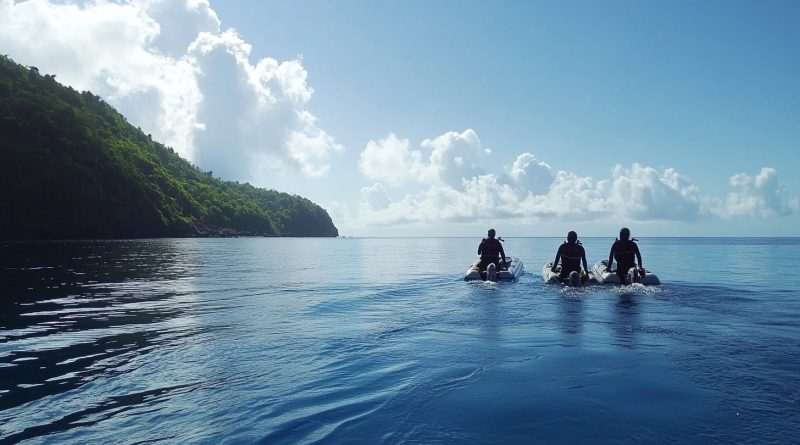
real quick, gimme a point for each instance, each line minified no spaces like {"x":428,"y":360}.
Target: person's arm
{"x":638,"y":255}
{"x":480,"y":247}
{"x":502,"y":253}
{"x":610,"y":257}
{"x":583,"y":257}
{"x":555,"y":261}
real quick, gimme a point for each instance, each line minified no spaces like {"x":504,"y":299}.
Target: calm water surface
{"x":257,"y":340}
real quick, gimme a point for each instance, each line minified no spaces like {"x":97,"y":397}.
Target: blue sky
{"x":446,"y":117}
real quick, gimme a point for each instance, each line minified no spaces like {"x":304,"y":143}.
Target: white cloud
{"x":530,"y":173}
{"x":529,"y":190}
{"x":438,"y":203}
{"x":390,"y":160}
{"x":645,"y":194}
{"x":637,"y":193}
{"x":569,"y":195}
{"x":253,"y":114}
{"x":454,"y":156}
{"x":761,"y":195}
{"x":169,"y":68}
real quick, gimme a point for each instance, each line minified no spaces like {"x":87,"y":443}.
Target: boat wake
{"x":638,"y":289}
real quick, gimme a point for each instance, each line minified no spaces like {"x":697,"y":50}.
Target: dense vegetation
{"x":72,"y":167}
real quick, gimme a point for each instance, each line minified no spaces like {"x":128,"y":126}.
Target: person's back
{"x":571,"y":254}
{"x":490,"y":250}
{"x":626,"y":252}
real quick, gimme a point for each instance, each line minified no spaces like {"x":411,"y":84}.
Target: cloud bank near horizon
{"x":450,"y":186}
{"x":245,"y":120}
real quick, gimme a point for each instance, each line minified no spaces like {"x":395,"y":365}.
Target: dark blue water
{"x":380,"y":341}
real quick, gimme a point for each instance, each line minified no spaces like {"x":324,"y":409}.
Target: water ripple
{"x":212,"y":343}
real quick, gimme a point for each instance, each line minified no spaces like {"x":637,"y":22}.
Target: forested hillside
{"x":72,"y":167}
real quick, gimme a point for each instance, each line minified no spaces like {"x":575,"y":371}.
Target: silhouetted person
{"x":624,"y":250}
{"x":572,"y":254}
{"x":490,"y":249}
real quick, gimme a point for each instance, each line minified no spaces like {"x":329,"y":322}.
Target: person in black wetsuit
{"x":624,"y":250}
{"x":489,"y":249}
{"x":571,"y":254}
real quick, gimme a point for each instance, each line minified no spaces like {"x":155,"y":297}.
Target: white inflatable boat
{"x":551,"y":277}
{"x":511,"y":271}
{"x":600,"y":274}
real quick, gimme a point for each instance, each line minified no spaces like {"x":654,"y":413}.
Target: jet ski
{"x":634,"y":276}
{"x":510,"y":271}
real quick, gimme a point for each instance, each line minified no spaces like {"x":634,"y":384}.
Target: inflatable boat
{"x":575,"y":278}
{"x":600,"y":274}
{"x":511,"y":271}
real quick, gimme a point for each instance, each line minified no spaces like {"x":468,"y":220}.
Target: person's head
{"x":624,"y":233}
{"x":572,"y":236}
{"x":491,"y":233}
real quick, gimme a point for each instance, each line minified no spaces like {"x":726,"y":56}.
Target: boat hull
{"x":512,"y":271}
{"x":551,"y":277}
{"x":604,"y":277}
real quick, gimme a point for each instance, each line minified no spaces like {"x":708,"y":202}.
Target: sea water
{"x":379,"y":340}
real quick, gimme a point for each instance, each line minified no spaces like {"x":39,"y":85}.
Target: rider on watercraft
{"x":489,"y":249}
{"x":624,"y":250}
{"x":572,"y":254}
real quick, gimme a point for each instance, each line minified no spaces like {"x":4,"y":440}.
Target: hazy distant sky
{"x":435,"y":118}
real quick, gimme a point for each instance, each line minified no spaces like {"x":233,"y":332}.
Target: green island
{"x":72,"y":167}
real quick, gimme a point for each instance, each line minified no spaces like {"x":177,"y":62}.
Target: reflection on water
{"x":571,"y":312}
{"x":626,"y":320}
{"x":76,"y":312}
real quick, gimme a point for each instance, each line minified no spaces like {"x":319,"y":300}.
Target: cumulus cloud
{"x":569,"y":195}
{"x":636,"y":193}
{"x":454,"y":156}
{"x":390,"y":160}
{"x":253,"y":114}
{"x":643,"y":193}
{"x":453,"y":187}
{"x":169,"y":67}
{"x":760,"y":195}
{"x":530,"y":173}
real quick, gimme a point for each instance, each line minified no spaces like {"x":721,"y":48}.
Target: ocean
{"x":379,"y":340}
